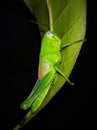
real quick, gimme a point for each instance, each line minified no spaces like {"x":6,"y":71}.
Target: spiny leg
{"x":61,"y":73}
{"x":63,"y":47}
{"x":72,"y":43}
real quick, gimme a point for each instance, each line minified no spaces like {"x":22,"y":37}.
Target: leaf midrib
{"x":50,"y":15}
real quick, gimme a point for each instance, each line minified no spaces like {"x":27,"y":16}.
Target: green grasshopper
{"x":49,"y":62}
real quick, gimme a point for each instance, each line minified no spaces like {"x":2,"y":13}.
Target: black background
{"x":72,"y":107}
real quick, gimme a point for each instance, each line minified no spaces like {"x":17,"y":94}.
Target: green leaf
{"x":67,"y":18}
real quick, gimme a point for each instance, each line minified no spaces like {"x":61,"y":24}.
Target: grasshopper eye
{"x":49,"y":34}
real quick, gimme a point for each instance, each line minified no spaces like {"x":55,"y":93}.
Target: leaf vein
{"x":80,"y":17}
{"x":62,"y":12}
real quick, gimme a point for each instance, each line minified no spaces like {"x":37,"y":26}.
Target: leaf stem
{"x":50,"y":15}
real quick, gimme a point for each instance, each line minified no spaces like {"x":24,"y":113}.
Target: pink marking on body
{"x":43,"y":69}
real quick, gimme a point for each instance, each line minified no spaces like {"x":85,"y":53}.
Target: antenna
{"x":39,"y":24}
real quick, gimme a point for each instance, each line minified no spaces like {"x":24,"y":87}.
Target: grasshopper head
{"x":54,"y":38}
